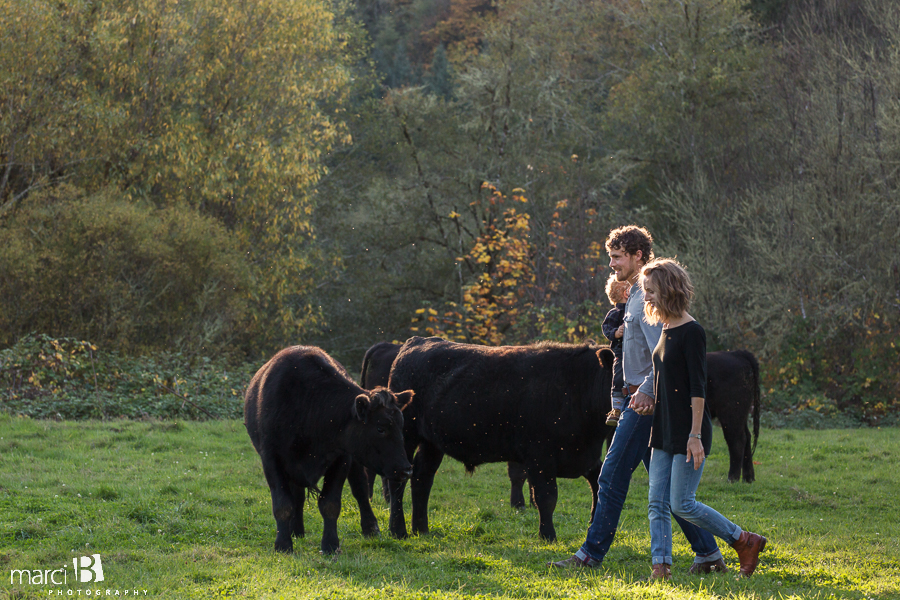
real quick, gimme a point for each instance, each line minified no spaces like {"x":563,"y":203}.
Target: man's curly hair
{"x":630,"y":239}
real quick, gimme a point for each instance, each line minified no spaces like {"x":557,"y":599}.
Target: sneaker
{"x":612,"y":419}
{"x":717,"y":566}
{"x":573,"y":562}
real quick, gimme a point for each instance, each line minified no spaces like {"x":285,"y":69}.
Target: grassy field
{"x":181,"y":510}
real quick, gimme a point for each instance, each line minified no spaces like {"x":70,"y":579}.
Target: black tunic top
{"x":679,"y":370}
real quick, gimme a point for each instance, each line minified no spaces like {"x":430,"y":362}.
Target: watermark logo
{"x":88,"y":569}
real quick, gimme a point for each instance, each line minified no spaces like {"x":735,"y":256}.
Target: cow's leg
{"x":283,"y":505}
{"x":735,"y":439}
{"x":428,"y":460}
{"x":330,"y":503}
{"x":370,"y":482}
{"x":396,"y":488}
{"x":545,"y":495}
{"x":298,"y":493}
{"x":360,"y":489}
{"x":397,"y":521}
{"x":749,"y":472}
{"x":517,"y":478}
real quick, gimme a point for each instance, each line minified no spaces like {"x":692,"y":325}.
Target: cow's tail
{"x":754,"y":365}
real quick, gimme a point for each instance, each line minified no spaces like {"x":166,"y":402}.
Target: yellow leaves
{"x":494,"y":297}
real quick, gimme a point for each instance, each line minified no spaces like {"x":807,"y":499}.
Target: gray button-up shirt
{"x":638,"y":343}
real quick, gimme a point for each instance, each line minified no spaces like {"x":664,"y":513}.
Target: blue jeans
{"x":630,"y":447}
{"x":673,"y":487}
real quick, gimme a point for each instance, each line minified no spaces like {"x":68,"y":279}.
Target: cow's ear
{"x":361,"y":408}
{"x":606,"y":357}
{"x":404,"y":399}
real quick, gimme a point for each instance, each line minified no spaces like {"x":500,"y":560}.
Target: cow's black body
{"x":732,"y":392}
{"x":308,"y":419}
{"x":543,"y":406}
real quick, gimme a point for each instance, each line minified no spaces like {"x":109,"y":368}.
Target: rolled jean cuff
{"x":661,"y":560}
{"x":708,"y":558}
{"x":587,"y":558}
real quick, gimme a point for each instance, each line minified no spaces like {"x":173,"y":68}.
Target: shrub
{"x":65,"y":378}
{"x":126,"y":276}
{"x":851,"y":377}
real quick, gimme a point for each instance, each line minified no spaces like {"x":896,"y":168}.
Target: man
{"x":629,"y":249}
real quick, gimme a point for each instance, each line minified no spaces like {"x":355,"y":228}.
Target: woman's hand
{"x":695,"y":452}
{"x":642,"y":404}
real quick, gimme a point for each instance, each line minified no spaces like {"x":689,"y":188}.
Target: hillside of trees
{"x":224,"y":179}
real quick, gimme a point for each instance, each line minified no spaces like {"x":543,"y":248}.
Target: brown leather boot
{"x":718,"y":566}
{"x":661,"y":571}
{"x":748,"y":547}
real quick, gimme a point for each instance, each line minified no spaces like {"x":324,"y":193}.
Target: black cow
{"x":376,"y":371}
{"x":308,"y":419}
{"x":732,"y":391}
{"x":543,"y":406}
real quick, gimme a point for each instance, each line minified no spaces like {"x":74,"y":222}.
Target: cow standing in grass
{"x":541,"y":405}
{"x":732,"y":392}
{"x":307,"y":420}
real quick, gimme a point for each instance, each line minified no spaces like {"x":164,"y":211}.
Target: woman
{"x":682,"y":428}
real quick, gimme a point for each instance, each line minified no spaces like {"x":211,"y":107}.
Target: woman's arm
{"x":695,"y":445}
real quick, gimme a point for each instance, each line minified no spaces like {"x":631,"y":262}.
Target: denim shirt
{"x":638,"y":343}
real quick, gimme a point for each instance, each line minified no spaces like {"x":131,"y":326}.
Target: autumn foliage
{"x":502,"y":275}
{"x":513,"y":290}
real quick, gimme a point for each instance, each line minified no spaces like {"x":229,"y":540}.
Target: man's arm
{"x":644,"y":400}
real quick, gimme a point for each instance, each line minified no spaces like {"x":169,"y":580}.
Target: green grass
{"x":181,"y":510}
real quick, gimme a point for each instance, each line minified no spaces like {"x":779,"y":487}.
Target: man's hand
{"x":620,"y":332}
{"x":642,"y":404}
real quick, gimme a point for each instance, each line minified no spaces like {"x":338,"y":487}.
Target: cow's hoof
{"x":287,"y":548}
{"x":373,"y":531}
{"x":330,"y":551}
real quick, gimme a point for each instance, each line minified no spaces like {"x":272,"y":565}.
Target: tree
{"x":494,"y":298}
{"x":228,"y":108}
{"x":439,"y":79}
{"x":524,"y":112}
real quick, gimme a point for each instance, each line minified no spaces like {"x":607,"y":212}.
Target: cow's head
{"x":377,"y":432}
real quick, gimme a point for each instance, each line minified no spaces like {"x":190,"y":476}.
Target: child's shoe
{"x":612,"y":419}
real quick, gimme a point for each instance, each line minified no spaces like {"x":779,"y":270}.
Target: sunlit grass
{"x":181,"y":510}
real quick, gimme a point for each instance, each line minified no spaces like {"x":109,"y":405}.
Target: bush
{"x":849,"y":378}
{"x":126,"y":276}
{"x":65,"y":378}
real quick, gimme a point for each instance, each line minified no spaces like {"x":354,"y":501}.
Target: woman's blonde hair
{"x":672,"y":289}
